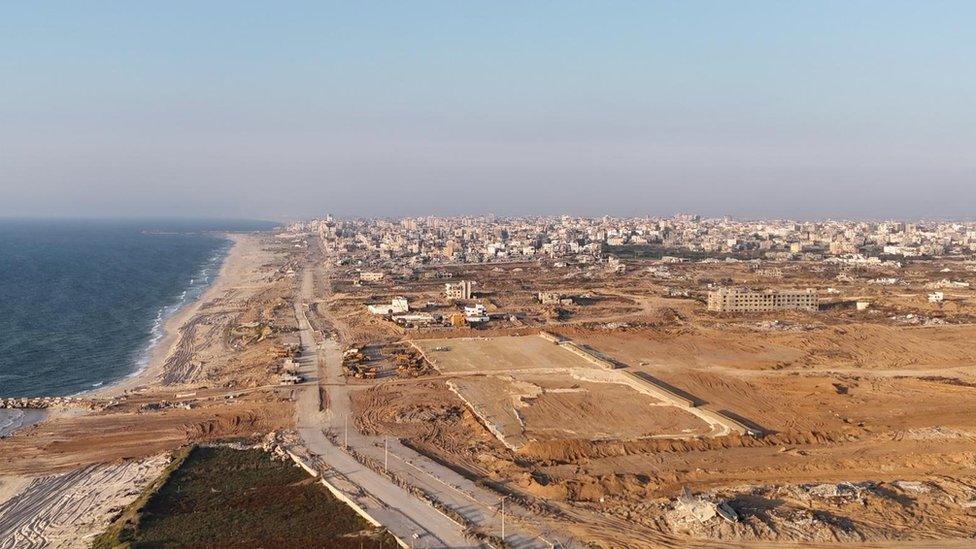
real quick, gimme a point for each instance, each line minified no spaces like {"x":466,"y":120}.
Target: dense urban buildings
{"x":410,"y":242}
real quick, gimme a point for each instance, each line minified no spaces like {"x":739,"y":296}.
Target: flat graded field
{"x":559,"y":406}
{"x":826,"y":380}
{"x":498,"y":354}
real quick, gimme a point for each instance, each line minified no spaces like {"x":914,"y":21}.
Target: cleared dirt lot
{"x":837,"y":381}
{"x":498,"y":354}
{"x":69,"y":509}
{"x":559,"y":406}
{"x":529,"y":389}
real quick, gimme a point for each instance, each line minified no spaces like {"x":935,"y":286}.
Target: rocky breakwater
{"x":41,"y":403}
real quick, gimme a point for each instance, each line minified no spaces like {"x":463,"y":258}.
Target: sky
{"x":283,"y":110}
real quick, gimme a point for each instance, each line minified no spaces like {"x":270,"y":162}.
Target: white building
{"x":398,"y":305}
{"x":475,"y":314}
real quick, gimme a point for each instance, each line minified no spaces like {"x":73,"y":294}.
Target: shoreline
{"x":132,"y":417}
{"x":15,"y":419}
{"x":167,"y":343}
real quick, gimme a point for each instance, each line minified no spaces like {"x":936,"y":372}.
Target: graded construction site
{"x":540,"y":388}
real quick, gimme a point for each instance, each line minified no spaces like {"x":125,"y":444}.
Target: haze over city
{"x":757,"y":109}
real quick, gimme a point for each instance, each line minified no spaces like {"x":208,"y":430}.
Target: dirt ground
{"x":868,"y":378}
{"x":558,"y":406}
{"x":494,"y":354}
{"x":70,"y":509}
{"x":71,"y":440}
{"x":867,"y":417}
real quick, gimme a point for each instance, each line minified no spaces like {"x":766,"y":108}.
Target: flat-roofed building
{"x":737,"y":300}
{"x":398,"y":305}
{"x":458,"y":290}
{"x":476,"y":314}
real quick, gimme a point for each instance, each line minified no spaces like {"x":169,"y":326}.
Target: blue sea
{"x":81,"y":302}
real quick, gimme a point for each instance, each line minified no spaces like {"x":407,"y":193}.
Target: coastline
{"x":231,"y":269}
{"x":15,"y":419}
{"x":113,"y":422}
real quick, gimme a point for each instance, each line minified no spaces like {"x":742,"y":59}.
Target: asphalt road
{"x":407,"y":516}
{"x":478,"y":505}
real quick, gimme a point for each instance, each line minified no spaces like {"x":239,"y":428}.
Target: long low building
{"x":738,"y":300}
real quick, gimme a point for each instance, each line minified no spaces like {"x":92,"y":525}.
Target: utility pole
{"x":503,"y":518}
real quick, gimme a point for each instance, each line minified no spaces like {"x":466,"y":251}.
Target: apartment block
{"x":736,"y":300}
{"x":458,"y":290}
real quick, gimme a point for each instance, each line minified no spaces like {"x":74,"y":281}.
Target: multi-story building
{"x":458,"y":290}
{"x":736,"y":300}
{"x":476,"y":314}
{"x":371,"y":276}
{"x":379,"y":244}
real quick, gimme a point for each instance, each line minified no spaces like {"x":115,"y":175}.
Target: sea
{"x":82,"y":301}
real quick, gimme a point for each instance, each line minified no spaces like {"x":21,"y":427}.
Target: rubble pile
{"x":825,"y":513}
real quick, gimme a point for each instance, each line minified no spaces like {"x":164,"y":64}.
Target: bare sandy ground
{"x":69,"y":509}
{"x":498,"y":354}
{"x":558,"y":406}
{"x":10,"y":486}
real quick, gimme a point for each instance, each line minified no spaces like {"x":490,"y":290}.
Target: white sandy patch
{"x":70,"y":509}
{"x":10,"y":486}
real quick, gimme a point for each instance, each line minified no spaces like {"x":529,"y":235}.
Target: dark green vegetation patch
{"x":222,"y":497}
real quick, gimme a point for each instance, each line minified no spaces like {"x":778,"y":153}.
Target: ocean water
{"x":81,"y":302}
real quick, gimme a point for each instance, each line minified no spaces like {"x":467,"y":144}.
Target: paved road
{"x":402,"y":513}
{"x":478,"y":505}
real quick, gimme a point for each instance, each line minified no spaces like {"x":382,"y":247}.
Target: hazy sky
{"x":275,"y":110}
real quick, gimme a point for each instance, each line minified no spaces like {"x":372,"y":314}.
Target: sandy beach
{"x":198,"y":355}
{"x":87,"y":461}
{"x":233,"y":272}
